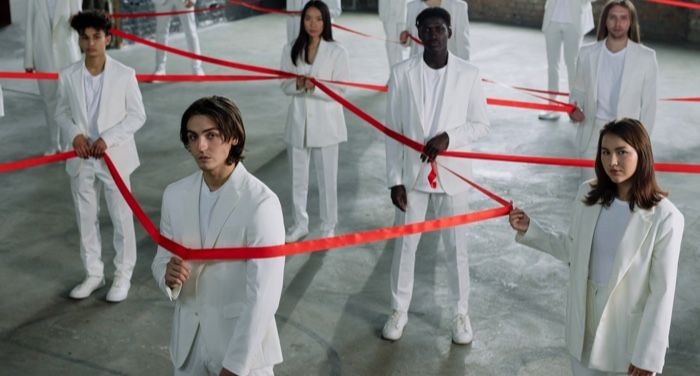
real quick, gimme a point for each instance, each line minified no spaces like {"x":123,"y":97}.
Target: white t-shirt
{"x":562,"y":11}
{"x":610,"y":66}
{"x":207,"y":201}
{"x":432,"y":96}
{"x":93,"y":92}
{"x":609,"y":230}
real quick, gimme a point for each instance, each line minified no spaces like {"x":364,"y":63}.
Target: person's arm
{"x":394,"y":150}
{"x":340,"y":72}
{"x":135,"y":115}
{"x":476,"y":124}
{"x":64,"y":116}
{"x":652,"y":341}
{"x":578,"y":92}
{"x":294,"y":85}
{"x":264,"y":279}
{"x":163,"y":256}
{"x":649,"y":95}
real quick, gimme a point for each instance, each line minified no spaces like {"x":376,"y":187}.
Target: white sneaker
{"x":462,"y":330}
{"x":198,"y":71}
{"x":86,"y":287}
{"x":548,"y":115}
{"x":160,"y":70}
{"x":393,"y":329}
{"x":296,"y":233}
{"x":119,"y":290}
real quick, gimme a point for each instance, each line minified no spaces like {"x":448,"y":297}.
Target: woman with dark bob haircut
{"x":622,"y":250}
{"x":315,"y":122}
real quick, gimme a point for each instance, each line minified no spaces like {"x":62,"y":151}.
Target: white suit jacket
{"x":316,"y":120}
{"x":231,"y":303}
{"x":638,"y":89}
{"x":462,"y":115}
{"x":393,"y":11}
{"x":294,"y":21}
{"x":120,"y":115}
{"x":581,"y":15}
{"x":51,"y":46}
{"x":636,"y":320}
{"x":161,"y":2}
{"x":458,"y":44}
{"x":2,"y":104}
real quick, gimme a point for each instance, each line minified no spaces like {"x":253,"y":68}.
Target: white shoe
{"x":296,"y":233}
{"x":160,"y":70}
{"x":393,"y":329}
{"x":327,"y":233}
{"x":86,"y":287}
{"x":119,"y":290}
{"x":198,"y":71}
{"x":548,"y":115}
{"x":462,"y":330}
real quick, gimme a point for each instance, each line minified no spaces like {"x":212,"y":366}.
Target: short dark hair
{"x":95,"y":18}
{"x":645,"y":191}
{"x":432,"y":12}
{"x":227,"y":117}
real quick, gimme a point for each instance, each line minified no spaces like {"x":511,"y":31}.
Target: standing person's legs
{"x":587,"y":142}
{"x":455,"y":241}
{"x":162,"y":31}
{"x":572,"y":43}
{"x":394,"y":51}
{"x":299,"y":172}
{"x":326,"y":163}
{"x":85,"y":188}
{"x":123,"y":222}
{"x":49,"y":94}
{"x":553,"y":38}
{"x":189,"y":25}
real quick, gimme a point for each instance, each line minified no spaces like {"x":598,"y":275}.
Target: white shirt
{"x":562,"y":11}
{"x":93,"y":92}
{"x":432,"y":95}
{"x":207,"y":201}
{"x":609,"y":230}
{"x":610,"y":66}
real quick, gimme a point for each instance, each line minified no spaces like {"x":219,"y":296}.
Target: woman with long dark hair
{"x":315,"y":122}
{"x":622,"y":249}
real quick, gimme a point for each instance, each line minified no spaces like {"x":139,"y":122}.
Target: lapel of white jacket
{"x":628,"y":75}
{"x":415,"y":80}
{"x":635,"y":233}
{"x":595,"y":57}
{"x":320,"y":59}
{"x":107,"y":79}
{"x":589,"y":218}
{"x":451,"y":94}
{"x":228,"y":198}
{"x":77,"y":78}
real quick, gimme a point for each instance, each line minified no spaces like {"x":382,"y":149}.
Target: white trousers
{"x":454,"y":240}
{"x":189,"y":25}
{"x":394,"y":51}
{"x":326,"y":163}
{"x":49,"y":95}
{"x":556,"y":35}
{"x":200,"y":363}
{"x":86,"y":187}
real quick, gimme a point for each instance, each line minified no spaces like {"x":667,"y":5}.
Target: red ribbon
{"x":173,"y":13}
{"x":680,"y":4}
{"x":263,"y":9}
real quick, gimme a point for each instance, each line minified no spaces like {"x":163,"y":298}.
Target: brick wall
{"x":658,"y":22}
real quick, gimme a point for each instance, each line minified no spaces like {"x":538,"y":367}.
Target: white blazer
{"x":50,"y":46}
{"x":393,"y":11}
{"x":462,"y":115}
{"x":638,"y":89}
{"x":121,"y":113}
{"x":581,"y":15}
{"x":294,"y":21}
{"x":232,"y":303}
{"x":316,"y":120}
{"x":2,"y":104}
{"x":636,"y":320}
{"x":458,"y":43}
{"x":162,"y":2}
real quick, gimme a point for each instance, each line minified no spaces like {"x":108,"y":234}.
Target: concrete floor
{"x":334,"y":303}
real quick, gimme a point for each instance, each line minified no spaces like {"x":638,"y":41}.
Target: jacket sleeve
{"x":477,"y":124}
{"x":465,"y":46}
{"x":264,"y":278}
{"x":163,"y":256}
{"x":288,"y":85}
{"x":340,"y":72}
{"x":334,"y":7}
{"x":135,"y":115}
{"x":652,"y":340}
{"x":578,"y":88}
{"x":394,"y":150}
{"x":64,"y":114}
{"x":649,"y":94}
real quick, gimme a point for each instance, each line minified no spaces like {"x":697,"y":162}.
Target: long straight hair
{"x":633,"y":33}
{"x":301,"y":44}
{"x":645,"y":191}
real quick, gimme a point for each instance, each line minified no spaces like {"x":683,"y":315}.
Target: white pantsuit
{"x":225,"y":311}
{"x":294,"y":21}
{"x":50,"y":45}
{"x":458,"y":43}
{"x":120,"y":115}
{"x":567,"y":34}
{"x":188,"y":23}
{"x":2,"y":103}
{"x":315,"y":126}
{"x":463,"y":117}
{"x":633,"y":324}
{"x":638,"y":91}
{"x":393,"y":16}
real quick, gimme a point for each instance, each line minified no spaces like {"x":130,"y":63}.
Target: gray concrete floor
{"x":334,"y":303}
